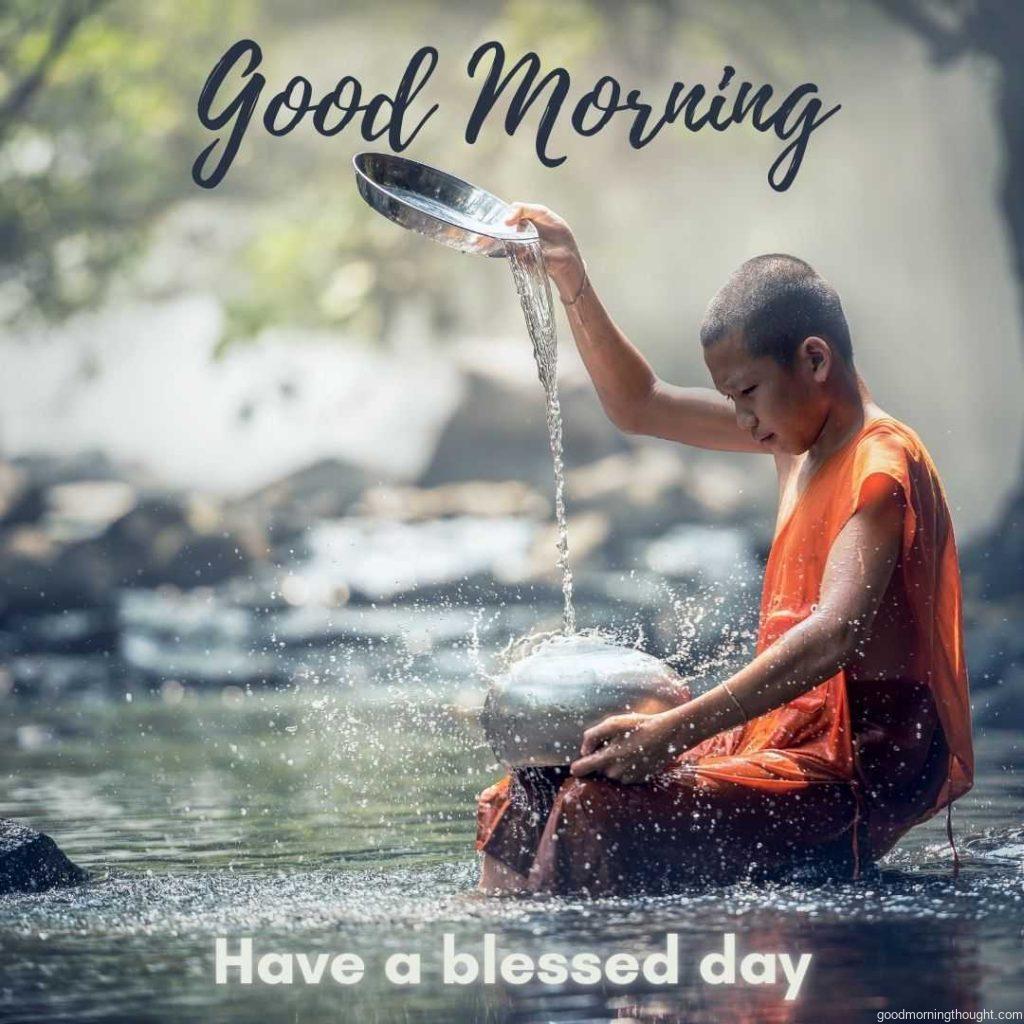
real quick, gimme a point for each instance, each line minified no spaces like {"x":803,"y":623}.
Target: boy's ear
{"x":817,"y":355}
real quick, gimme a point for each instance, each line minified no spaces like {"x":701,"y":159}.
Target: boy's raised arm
{"x":634,"y":398}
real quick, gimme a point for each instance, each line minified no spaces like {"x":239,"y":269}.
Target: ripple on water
{"x":224,"y":901}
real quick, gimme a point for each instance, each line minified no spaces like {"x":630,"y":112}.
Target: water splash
{"x":531,"y":280}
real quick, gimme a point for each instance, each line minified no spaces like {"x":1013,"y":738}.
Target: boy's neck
{"x":850,"y":407}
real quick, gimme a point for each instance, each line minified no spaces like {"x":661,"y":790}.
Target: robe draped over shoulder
{"x":810,"y":739}
{"x":842,"y":744}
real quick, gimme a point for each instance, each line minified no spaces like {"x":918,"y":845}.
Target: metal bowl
{"x":537,"y":712}
{"x":436,"y":204}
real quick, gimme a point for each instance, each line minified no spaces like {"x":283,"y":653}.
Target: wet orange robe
{"x":801,"y":753}
{"x":810,"y":738}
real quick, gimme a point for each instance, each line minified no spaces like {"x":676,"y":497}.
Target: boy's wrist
{"x":682,"y":726}
{"x":571,"y":281}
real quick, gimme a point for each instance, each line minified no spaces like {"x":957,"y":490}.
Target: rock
{"x":1001,"y":706}
{"x":60,"y":676}
{"x":164,"y":539}
{"x":182,"y":541}
{"x":498,"y":432}
{"x":323,"y":490}
{"x":993,"y":564}
{"x":72,"y":631}
{"x":85,"y":508}
{"x":31,"y":861}
{"x":472,"y":498}
{"x":30,"y":486}
{"x":993,"y":641}
{"x":652,"y":489}
{"x":38,"y":574}
{"x":20,"y":502}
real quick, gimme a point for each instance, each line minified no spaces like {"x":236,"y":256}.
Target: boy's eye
{"x":747,"y":391}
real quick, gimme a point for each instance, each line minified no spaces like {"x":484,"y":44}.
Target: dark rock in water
{"x":993,"y":641}
{"x":59,"y":676}
{"x":164,"y":539}
{"x":498,"y":432}
{"x":323,"y":490}
{"x":20,"y":502}
{"x":71,"y":631}
{"x":993,"y":564}
{"x":32,"y":862}
{"x":1001,"y":706}
{"x":168,"y":539}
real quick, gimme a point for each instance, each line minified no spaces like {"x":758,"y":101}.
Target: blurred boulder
{"x":182,"y":541}
{"x":83,"y":509}
{"x":33,"y":486}
{"x":992,"y":640}
{"x":471,"y":498}
{"x":498,"y":432}
{"x":1001,"y":706}
{"x":20,"y":502}
{"x":164,"y":539}
{"x":326,"y":489}
{"x":49,"y":677}
{"x":993,"y":563}
{"x":650,"y":490}
{"x":31,"y":861}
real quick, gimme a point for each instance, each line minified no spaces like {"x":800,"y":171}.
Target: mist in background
{"x":274,"y":321}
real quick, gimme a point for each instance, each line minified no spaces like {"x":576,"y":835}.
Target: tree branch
{"x":18,"y":98}
{"x":945,"y":43}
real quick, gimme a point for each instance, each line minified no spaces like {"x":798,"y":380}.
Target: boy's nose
{"x":745,"y":419}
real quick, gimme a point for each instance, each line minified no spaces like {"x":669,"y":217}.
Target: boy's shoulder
{"x":888,"y":434}
{"x":883,"y":444}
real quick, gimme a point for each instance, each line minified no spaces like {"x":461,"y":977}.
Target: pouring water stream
{"x":527,"y":264}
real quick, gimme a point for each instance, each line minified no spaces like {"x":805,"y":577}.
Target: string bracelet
{"x":579,"y":293}
{"x":735,"y":700}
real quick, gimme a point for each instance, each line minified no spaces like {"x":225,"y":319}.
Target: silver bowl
{"x":436,"y":204}
{"x":537,"y":712}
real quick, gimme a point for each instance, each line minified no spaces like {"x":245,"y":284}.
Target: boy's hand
{"x":627,"y":748}
{"x":561,"y":254}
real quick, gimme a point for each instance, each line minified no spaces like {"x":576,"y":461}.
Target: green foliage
{"x":93,"y":152}
{"x":98,"y":130}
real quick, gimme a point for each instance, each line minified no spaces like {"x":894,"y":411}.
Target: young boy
{"x":852,"y":723}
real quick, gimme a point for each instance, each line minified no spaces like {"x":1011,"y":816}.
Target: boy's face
{"x":782,"y":408}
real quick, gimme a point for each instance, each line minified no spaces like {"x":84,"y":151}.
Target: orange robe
{"x":810,"y":738}
{"x":806,"y":757}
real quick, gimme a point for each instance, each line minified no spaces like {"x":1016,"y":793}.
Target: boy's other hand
{"x":627,"y":748}
{"x":557,"y":244}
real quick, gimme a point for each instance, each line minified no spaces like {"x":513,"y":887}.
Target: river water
{"x":334,"y":814}
{"x":329,"y":818}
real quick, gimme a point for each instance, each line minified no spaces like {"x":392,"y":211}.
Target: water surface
{"x":328,"y":819}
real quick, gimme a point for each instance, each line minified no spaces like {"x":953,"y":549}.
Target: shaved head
{"x":773,"y":302}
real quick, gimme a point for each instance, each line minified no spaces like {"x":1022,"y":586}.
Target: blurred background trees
{"x":898,"y":201}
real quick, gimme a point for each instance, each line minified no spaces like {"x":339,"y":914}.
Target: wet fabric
{"x":917,"y":634}
{"x":896,"y":746}
{"x":600,"y":837}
